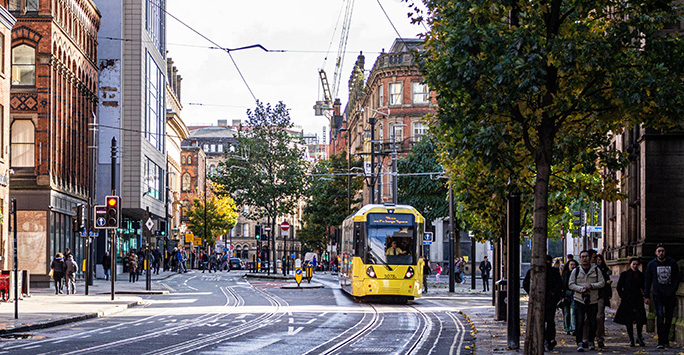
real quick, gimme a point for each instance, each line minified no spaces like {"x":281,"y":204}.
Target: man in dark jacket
{"x":485,"y":268}
{"x":663,"y":274}
{"x":426,"y":273}
{"x":554,"y":291}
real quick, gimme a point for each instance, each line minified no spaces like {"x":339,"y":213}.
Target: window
{"x":421,"y":94}
{"x":205,"y":147}
{"x":24,"y":65}
{"x":182,"y":160}
{"x":23,"y":5}
{"x":213,"y":148}
{"x":220,"y":148}
{"x":154,"y":125}
{"x":381,"y":133}
{"x":185,"y":182}
{"x":397,"y":132}
{"x":395,"y":93}
{"x":153,"y":179}
{"x":419,"y":129}
{"x":381,"y":95}
{"x":154,"y":23}
{"x":2,"y":53}
{"x":22,"y":145}
{"x":212,"y":170}
{"x":245,"y":232}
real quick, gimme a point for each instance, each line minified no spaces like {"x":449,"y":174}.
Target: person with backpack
{"x":554,"y":292}
{"x":58,"y":267}
{"x":586,"y":281}
{"x":71,"y":270}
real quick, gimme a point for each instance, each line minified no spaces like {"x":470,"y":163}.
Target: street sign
{"x":427,"y":238}
{"x":595,"y":229}
{"x":99,"y":216}
{"x":149,"y":224}
{"x":298,"y":275}
{"x":267,"y":228}
{"x":285,"y":226}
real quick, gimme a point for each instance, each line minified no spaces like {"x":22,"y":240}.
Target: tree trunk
{"x":534,"y":340}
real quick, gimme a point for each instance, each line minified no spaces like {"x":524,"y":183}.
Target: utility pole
{"x":452,"y":277}
{"x":13,"y":211}
{"x":395,"y":187}
{"x":513,"y":268}
{"x":371,"y":120}
{"x":112,"y":247}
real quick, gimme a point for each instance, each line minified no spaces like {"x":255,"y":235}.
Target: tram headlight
{"x":370,"y":272}
{"x":409,"y":273}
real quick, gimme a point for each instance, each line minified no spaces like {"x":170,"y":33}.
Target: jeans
{"x":485,"y":282}
{"x":569,"y":316}
{"x":106,"y":272}
{"x":580,"y":311}
{"x":664,"y":306}
{"x":601,"y":320}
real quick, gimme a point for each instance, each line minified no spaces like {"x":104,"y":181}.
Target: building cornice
{"x":6,"y":18}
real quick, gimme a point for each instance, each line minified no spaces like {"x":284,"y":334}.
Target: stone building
{"x":176,"y":132}
{"x":54,"y":77}
{"x":651,"y":212}
{"x":6,"y":245}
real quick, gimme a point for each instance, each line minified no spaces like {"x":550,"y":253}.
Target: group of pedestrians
{"x":63,"y":269}
{"x":214,"y":262}
{"x":583,"y":290}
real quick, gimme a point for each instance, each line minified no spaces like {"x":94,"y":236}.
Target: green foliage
{"x":327,"y":200}
{"x":221,"y":216}
{"x":267,"y":170}
{"x":426,"y":193}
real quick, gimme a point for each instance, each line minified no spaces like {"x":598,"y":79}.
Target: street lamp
{"x":372,"y":120}
{"x":394,"y":162}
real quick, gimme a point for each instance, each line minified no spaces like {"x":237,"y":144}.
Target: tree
{"x":221,"y":215}
{"x":427,"y":193}
{"x":327,"y":203}
{"x":539,"y":87}
{"x":267,"y":169}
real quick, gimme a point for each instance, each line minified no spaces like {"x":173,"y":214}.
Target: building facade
{"x":176,"y":132}
{"x":6,"y":242}
{"x":54,"y":77}
{"x":132,"y":111}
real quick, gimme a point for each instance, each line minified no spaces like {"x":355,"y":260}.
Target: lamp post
{"x":394,"y":162}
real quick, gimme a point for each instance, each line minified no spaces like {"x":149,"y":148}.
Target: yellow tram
{"x":380,"y":252}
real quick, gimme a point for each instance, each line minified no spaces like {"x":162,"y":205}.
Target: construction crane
{"x":322,"y":108}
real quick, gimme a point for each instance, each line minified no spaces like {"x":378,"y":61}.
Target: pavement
{"x":46,"y":309}
{"x":43,"y":308}
{"x":492,"y":335}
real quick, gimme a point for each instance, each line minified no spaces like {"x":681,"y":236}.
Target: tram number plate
{"x":390,"y":276}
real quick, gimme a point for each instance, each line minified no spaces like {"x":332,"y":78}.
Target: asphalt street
{"x":223,"y":313}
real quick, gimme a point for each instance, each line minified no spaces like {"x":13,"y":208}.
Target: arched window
{"x":23,"y":144}
{"x":182,"y":159}
{"x":24,"y":65}
{"x":185,"y":182}
{"x":245,"y":252}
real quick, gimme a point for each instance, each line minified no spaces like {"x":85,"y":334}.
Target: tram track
{"x":212,"y":339}
{"x":341,"y":343}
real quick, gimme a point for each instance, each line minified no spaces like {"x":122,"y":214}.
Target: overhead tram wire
{"x":394,"y":27}
{"x":214,"y":43}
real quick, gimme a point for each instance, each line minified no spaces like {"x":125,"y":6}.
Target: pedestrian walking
{"x":605,"y":294}
{"x":205,"y":263}
{"x":156,"y":254}
{"x":132,"y":266}
{"x":462,"y":268}
{"x":438,"y":271}
{"x":662,"y":275}
{"x":313,"y":263}
{"x":58,"y":267}
{"x":586,"y":281}
{"x":485,"y":269}
{"x":554,"y":292}
{"x":457,"y":270}
{"x":568,"y":305}
{"x":70,"y":275}
{"x":630,"y":288}
{"x":106,"y":264}
{"x":426,"y":273}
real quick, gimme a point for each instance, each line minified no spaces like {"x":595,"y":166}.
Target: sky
{"x":308,"y":31}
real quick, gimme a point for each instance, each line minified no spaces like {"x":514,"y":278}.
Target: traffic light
{"x":257,"y":232}
{"x":162,"y":228}
{"x":113,"y":208}
{"x":77,"y":220}
{"x":579,"y":221}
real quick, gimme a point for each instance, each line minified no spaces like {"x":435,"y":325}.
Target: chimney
{"x":336,"y":107}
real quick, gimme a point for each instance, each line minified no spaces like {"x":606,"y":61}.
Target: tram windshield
{"x":391,"y":239}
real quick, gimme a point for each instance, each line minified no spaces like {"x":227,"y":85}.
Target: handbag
{"x":52,"y":273}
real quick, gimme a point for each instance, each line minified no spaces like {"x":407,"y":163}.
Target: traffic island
{"x":294,"y":286}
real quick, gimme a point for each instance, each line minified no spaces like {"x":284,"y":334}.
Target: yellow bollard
{"x":84,"y":264}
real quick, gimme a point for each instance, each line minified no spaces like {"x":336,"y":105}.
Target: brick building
{"x":6,"y":23}
{"x":53,"y":99}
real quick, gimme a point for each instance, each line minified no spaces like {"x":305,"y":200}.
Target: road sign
{"x":267,"y":228}
{"x":99,"y":216}
{"x":285,"y":226}
{"x":595,"y":229}
{"x":427,"y":238}
{"x":298,"y":275}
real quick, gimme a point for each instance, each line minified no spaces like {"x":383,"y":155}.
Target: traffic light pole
{"x":112,"y":248}
{"x":148,"y":277}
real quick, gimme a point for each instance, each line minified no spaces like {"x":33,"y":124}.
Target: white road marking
{"x":32,"y":347}
{"x":311,"y":321}
{"x":292,"y":331}
{"x":291,"y":321}
{"x":242,"y":316}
